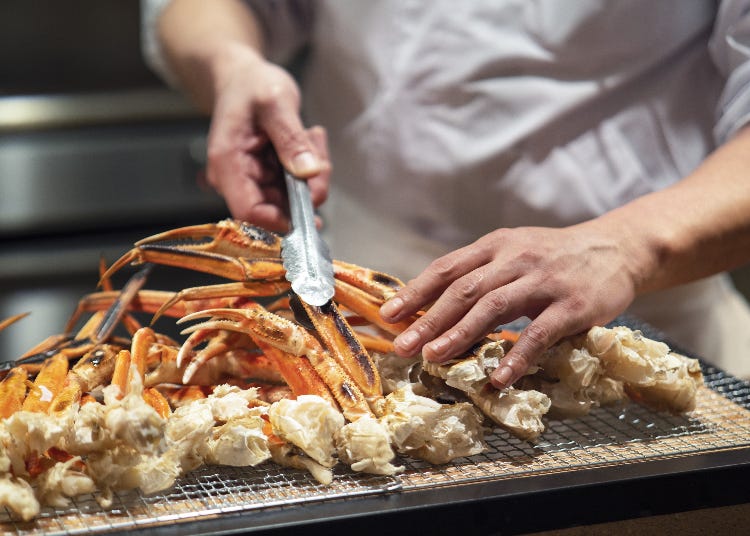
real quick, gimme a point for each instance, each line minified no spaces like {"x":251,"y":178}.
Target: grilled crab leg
{"x":250,"y":255}
{"x":266,"y":327}
{"x":12,"y":320}
{"x":229,"y":248}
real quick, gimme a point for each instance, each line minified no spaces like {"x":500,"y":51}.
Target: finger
{"x":432,"y":282}
{"x":279,"y":118}
{"x":249,"y":203}
{"x":548,"y":328}
{"x":478,"y":293}
{"x":319,"y":183}
{"x":497,"y":307}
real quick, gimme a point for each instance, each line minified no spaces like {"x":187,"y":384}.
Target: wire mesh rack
{"x":628,"y":434}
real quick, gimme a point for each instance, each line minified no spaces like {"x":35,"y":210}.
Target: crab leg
{"x":13,"y":392}
{"x":340,"y":340}
{"x":377,"y":284}
{"x":47,"y":384}
{"x":134,"y":362}
{"x":298,"y":373}
{"x":291,"y":338}
{"x":243,"y":253}
{"x":363,"y":304}
{"x":229,"y":248}
{"x":12,"y":320}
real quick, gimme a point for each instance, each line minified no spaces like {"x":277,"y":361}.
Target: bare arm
{"x":697,"y":227}
{"x":202,"y":40}
{"x":569,"y":279}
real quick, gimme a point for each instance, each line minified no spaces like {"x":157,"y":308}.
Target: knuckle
{"x":442,"y":267}
{"x":467,"y":288}
{"x":277,"y":92}
{"x":429,"y":323}
{"x":461,"y":333}
{"x":577,"y":303}
{"x":539,"y":334}
{"x":496,"y":302}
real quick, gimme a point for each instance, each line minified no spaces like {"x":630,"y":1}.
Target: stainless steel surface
{"x":97,"y":178}
{"x":33,"y":112}
{"x":307,"y":259}
{"x":608,"y":445}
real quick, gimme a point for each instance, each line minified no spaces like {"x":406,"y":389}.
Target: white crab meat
{"x":240,"y":442}
{"x":574,"y":367}
{"x":519,"y":411}
{"x":228,"y":402}
{"x":365,"y":445}
{"x":61,"y":481}
{"x":426,"y":429}
{"x":18,"y":496}
{"x":27,"y":433}
{"x":395,"y":371}
{"x":309,"y":423}
{"x":652,"y":374}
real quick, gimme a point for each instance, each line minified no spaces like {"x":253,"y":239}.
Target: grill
{"x":631,"y":436}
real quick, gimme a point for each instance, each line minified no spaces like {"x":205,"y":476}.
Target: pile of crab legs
{"x":293,"y":375}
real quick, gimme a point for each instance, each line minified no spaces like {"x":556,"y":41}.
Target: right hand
{"x":256,"y":124}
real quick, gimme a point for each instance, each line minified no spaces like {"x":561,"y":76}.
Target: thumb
{"x":293,"y":146}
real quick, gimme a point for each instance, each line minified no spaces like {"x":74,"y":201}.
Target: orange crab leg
{"x":298,"y":373}
{"x":367,"y":307}
{"x":12,"y":320}
{"x":135,"y":363}
{"x":12,"y":392}
{"x":227,"y":237}
{"x":284,"y":334}
{"x":146,"y":301}
{"x":379,"y":285}
{"x":230,"y":248}
{"x":340,"y":340}
{"x":47,"y":384}
{"x":373,"y":343}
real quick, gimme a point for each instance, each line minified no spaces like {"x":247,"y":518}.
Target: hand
{"x":255,"y":119}
{"x":565,"y":280}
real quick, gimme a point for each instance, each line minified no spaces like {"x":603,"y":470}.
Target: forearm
{"x":695,"y":228}
{"x":202,"y":40}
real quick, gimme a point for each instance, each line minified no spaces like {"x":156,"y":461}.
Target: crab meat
{"x":428,"y":430}
{"x":310,"y":424}
{"x":519,"y":411}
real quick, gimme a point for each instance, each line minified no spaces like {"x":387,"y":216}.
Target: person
{"x":558,"y":161}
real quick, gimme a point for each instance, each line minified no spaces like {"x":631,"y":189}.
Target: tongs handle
{"x":306,"y":257}
{"x":300,"y":206}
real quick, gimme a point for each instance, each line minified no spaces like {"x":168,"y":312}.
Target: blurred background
{"x":95,"y":153}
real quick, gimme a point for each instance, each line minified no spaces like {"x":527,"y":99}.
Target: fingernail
{"x":407,"y":341}
{"x":391,"y":308}
{"x":502,"y":377}
{"x":438,"y":348}
{"x":305,"y":164}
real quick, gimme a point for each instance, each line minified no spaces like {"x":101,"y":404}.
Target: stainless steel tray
{"x":638,"y":441}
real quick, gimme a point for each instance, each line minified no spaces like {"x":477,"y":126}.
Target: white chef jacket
{"x":449,"y":119}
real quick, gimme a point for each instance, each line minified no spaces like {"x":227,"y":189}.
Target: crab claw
{"x":12,"y":320}
{"x":229,"y":248}
{"x":267,"y":328}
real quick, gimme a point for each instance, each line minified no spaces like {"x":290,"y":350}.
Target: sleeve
{"x":151,"y":48}
{"x":287,"y":26}
{"x":730,"y":50}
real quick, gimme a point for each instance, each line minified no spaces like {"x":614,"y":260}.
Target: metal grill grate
{"x":607,"y":436}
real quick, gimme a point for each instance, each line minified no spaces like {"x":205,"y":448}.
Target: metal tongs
{"x":304,"y":253}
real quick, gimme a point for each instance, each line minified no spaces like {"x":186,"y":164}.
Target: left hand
{"x":565,"y":280}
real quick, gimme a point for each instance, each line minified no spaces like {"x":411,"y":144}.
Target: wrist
{"x":643,"y":247}
{"x":228,"y":58}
